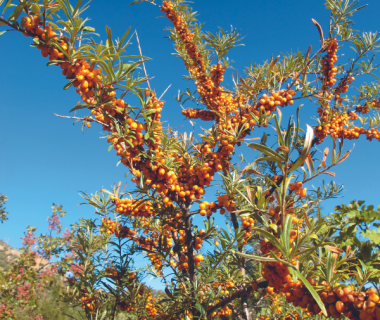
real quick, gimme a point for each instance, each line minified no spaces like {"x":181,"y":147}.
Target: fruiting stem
{"x":83,"y":119}
{"x":244,"y":298}
{"x":230,"y":298}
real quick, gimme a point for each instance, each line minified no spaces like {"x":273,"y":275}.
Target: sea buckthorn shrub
{"x":277,"y":252}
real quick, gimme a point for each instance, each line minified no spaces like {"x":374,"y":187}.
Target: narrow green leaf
{"x":79,"y":2}
{"x":285,"y":234}
{"x":311,"y":290}
{"x":306,"y":149}
{"x":53,"y":62}
{"x":7,"y":4}
{"x":267,"y":151}
{"x":272,"y":239}
{"x":16,"y":13}
{"x":199,"y":307}
{"x":254,"y":257}
{"x":69,"y":84}
{"x":280,"y":137}
{"x":80,"y":106}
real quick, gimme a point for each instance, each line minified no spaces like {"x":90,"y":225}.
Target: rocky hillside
{"x":7,"y":255}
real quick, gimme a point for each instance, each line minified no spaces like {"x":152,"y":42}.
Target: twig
{"x":138,"y":44}
{"x":259,"y":302}
{"x":164,"y":92}
{"x":230,"y":298}
{"x":321,"y":172}
{"x":80,"y":40}
{"x":83,"y":119}
{"x":151,"y":2}
{"x":44,"y":16}
{"x":236,"y":314}
{"x":68,"y":315}
{"x":306,"y":66}
{"x":17,"y":28}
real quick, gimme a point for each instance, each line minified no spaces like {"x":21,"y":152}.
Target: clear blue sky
{"x":45,"y":159}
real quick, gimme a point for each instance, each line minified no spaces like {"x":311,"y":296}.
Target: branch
{"x":306,"y":66}
{"x":68,"y":315}
{"x":242,"y":262}
{"x":83,"y":119}
{"x":189,"y":244}
{"x":193,"y":212}
{"x":17,"y":28}
{"x":164,"y":92}
{"x":146,"y":76}
{"x":234,"y":220}
{"x":151,"y":2}
{"x":230,"y":298}
{"x":236,"y":314}
{"x":323,"y":171}
{"x":274,"y":187}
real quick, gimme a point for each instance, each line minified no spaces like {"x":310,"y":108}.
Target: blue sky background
{"x":45,"y":159}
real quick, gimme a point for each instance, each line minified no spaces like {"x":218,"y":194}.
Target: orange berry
{"x":302,"y":192}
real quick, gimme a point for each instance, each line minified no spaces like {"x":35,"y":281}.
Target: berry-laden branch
{"x":171,"y":173}
{"x":85,"y":119}
{"x":238,"y":294}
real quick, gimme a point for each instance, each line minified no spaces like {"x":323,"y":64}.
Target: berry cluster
{"x":111,"y":273}
{"x":132,"y":207}
{"x":109,"y":226}
{"x":338,"y":301}
{"x":198,"y":259}
{"x":204,"y":115}
{"x":297,"y":189}
{"x":88,"y":301}
{"x":371,"y":104}
{"x":124,"y":306}
{"x":328,"y":63}
{"x":247,"y":225}
{"x":225,"y":311}
{"x":335,"y":125}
